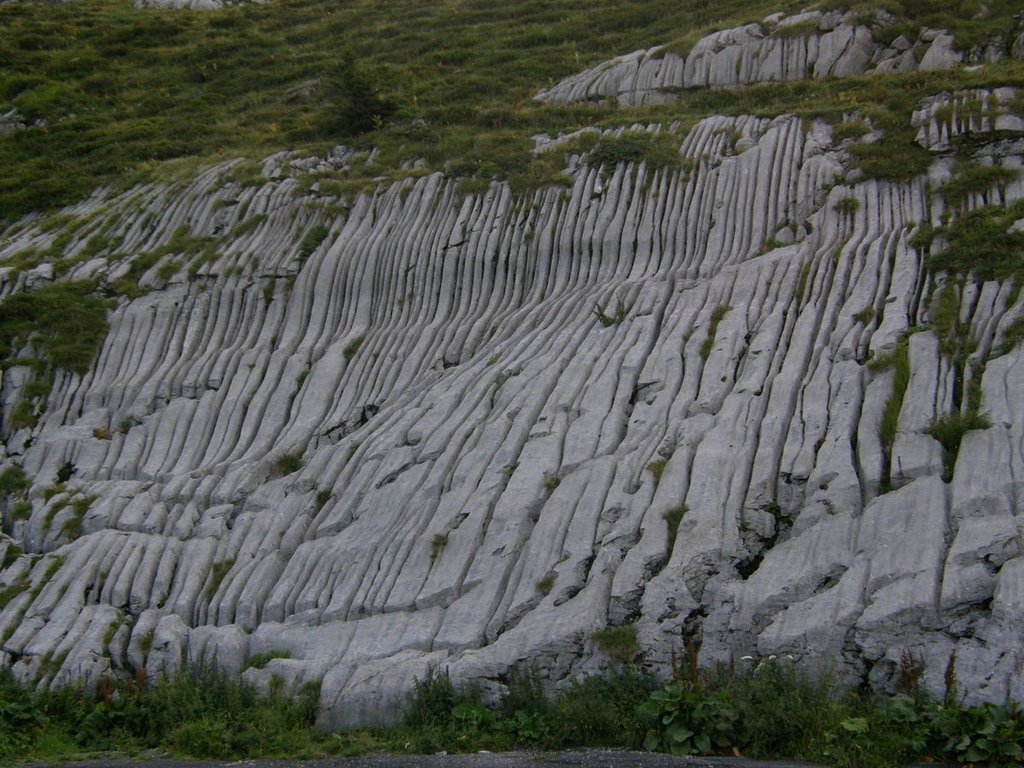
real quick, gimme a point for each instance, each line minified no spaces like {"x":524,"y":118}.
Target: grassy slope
{"x":132,"y":94}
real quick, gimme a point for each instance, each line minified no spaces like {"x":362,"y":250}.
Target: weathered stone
{"x":497,"y":405}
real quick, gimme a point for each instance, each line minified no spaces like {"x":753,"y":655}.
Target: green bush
{"x":200,"y":713}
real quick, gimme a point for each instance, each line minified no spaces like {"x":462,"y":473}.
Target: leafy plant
{"x":682,"y":720}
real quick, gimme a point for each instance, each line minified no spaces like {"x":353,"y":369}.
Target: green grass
{"x":13,"y":480}
{"x":761,"y":708}
{"x":145,"y":94}
{"x":672,"y":518}
{"x":67,"y":320}
{"x":708,"y":344}
{"x":124,"y":91}
{"x":899,"y":362}
{"x":979,"y":243}
{"x":617,"y":643}
{"x":218,"y":572}
{"x":288,"y":463}
{"x":949,"y":430}
{"x":200,"y":713}
{"x":260,"y":660}
{"x":352,"y":348}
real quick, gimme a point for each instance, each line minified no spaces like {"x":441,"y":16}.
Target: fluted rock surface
{"x":485,"y":467}
{"x":812,"y":44}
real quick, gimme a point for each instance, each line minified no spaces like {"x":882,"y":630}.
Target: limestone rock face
{"x":391,"y":432}
{"x":813,"y":44}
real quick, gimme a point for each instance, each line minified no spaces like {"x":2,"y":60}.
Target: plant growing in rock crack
{"x":437,"y":545}
{"x":260,"y":660}
{"x":847,"y":206}
{"x":546,"y":583}
{"x":288,"y":463}
{"x":717,"y":314}
{"x":672,"y":517}
{"x":621,"y":311}
{"x":218,"y":572}
{"x":353,"y":346}
{"x":617,"y":643}
{"x":949,"y":430}
{"x":550,"y":481}
{"x":657,"y":468}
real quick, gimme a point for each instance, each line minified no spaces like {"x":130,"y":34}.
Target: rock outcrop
{"x":813,"y":44}
{"x":419,"y":427}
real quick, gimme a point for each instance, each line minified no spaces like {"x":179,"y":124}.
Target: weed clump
{"x":288,"y":463}
{"x":618,"y":643}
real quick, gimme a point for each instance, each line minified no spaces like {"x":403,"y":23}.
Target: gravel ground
{"x":580,"y":759}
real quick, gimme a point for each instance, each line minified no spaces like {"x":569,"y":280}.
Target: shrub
{"x":432,"y":701}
